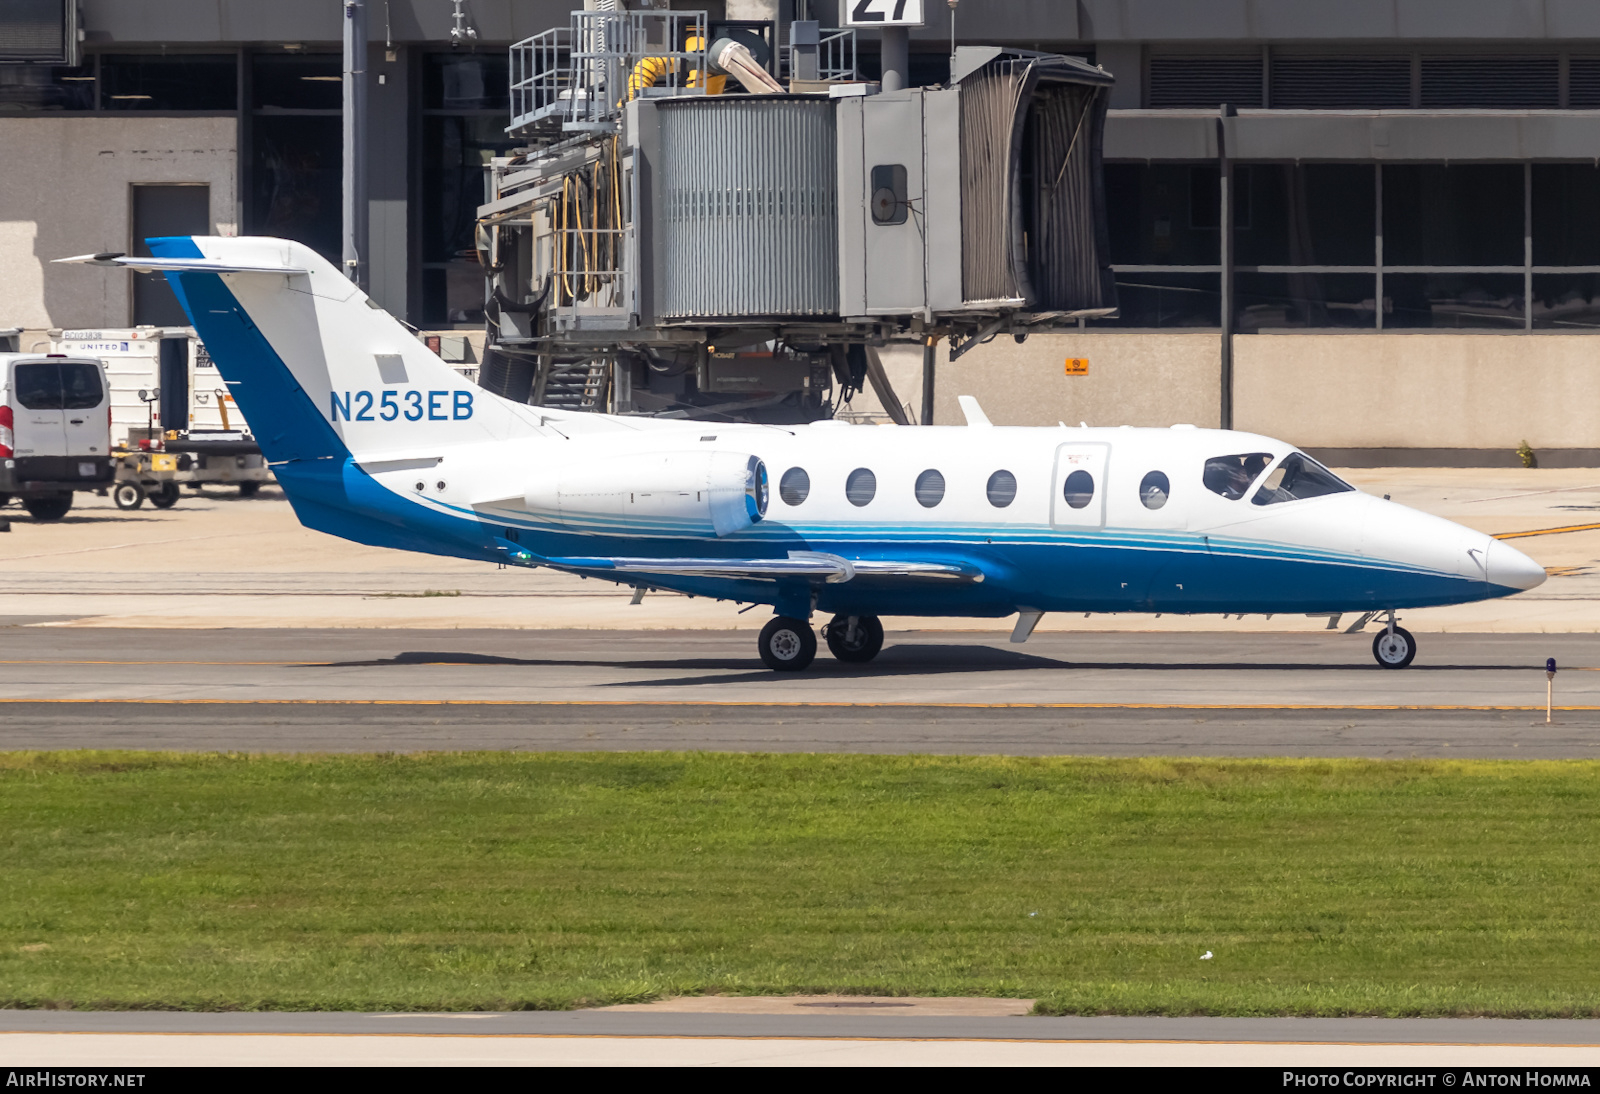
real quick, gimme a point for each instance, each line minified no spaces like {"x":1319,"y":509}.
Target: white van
{"x":55,"y":430}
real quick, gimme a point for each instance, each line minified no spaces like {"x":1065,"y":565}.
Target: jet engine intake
{"x":656,"y":493}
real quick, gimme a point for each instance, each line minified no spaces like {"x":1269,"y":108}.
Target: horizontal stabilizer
{"x":801,"y":565}
{"x":184,"y":265}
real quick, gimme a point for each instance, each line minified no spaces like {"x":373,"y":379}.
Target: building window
{"x":168,"y":82}
{"x":296,"y":130}
{"x":465,"y":103}
{"x":116,"y":82}
{"x":1456,"y":215}
{"x":1501,"y":246}
{"x":46,"y":87}
{"x":297,"y":81}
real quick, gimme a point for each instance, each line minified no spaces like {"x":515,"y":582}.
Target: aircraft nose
{"x":1512,"y":569}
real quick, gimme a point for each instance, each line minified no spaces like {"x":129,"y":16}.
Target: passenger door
{"x":83,"y":406}
{"x":39,"y":423}
{"x":1077,"y":492}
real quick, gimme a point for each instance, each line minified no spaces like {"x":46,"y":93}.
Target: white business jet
{"x":374,"y":439}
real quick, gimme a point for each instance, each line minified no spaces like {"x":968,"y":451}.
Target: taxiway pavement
{"x":1314,"y":694}
{"x":607,"y":1036}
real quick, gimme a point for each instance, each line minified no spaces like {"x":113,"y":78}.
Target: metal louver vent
{"x":38,"y":30}
{"x":1185,"y":80}
{"x":1583,"y":82}
{"x":1341,"y":83}
{"x":1508,"y":83}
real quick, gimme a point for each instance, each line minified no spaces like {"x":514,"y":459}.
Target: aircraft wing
{"x":803,"y":565}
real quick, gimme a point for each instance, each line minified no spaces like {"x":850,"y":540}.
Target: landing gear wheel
{"x":166,"y":497}
{"x":52,"y":507}
{"x":787,"y":645}
{"x":249,"y":489}
{"x":1394,"y":651}
{"x":127,"y":495}
{"x":856,"y":645}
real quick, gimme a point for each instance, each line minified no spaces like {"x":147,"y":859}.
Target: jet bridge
{"x":685,"y":235}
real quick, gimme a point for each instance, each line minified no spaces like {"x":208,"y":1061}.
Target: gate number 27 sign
{"x":882,"y":13}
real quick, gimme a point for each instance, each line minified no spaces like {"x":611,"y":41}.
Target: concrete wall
{"x":1135,"y":378}
{"x":64,"y":191}
{"x":1451,"y":399}
{"x":1468,"y":391}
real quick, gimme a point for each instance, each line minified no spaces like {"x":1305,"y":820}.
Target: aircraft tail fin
{"x":319,"y":369}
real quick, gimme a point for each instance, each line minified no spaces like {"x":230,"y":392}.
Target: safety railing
{"x":578,"y":78}
{"x":836,"y":57}
{"x":589,"y":267}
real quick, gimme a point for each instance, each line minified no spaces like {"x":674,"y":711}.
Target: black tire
{"x":1396,"y":652}
{"x":868,"y":638}
{"x":51,"y":507}
{"x":166,"y":497}
{"x":787,"y":645}
{"x":127,"y":495}
{"x":249,"y":489}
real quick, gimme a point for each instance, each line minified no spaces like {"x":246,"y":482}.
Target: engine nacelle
{"x":690,"y":493}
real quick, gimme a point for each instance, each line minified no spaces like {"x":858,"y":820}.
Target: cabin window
{"x":1078,"y":490}
{"x":930,"y":488}
{"x":1002,"y":489}
{"x":1231,"y":476}
{"x":795,"y":486}
{"x":1154,"y":490}
{"x":1297,"y":478}
{"x":860,"y":487}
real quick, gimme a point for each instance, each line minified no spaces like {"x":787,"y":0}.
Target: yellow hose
{"x":646,"y":73}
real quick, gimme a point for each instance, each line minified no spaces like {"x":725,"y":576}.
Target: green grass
{"x":535,"y":880}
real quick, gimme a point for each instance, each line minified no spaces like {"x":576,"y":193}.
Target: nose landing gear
{"x":1394,"y":648}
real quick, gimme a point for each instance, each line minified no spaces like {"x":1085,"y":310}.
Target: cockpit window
{"x":1298,"y":477}
{"x":1231,"y":476}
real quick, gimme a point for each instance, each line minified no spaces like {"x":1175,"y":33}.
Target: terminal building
{"x":1405,"y":272}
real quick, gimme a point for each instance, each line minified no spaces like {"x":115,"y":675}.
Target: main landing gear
{"x":854,"y":639}
{"x":790,"y":645}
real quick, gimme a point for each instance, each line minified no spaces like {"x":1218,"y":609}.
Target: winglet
{"x":974,"y":412}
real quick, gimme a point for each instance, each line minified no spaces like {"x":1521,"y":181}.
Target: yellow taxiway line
{"x":1548,"y":531}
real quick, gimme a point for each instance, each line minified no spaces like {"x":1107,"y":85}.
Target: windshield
{"x":1231,"y":476}
{"x":1297,"y":478}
